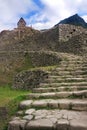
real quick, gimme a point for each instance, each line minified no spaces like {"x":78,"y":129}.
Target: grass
{"x":45,"y":68}
{"x":9,"y":99}
{"x":7,"y":73}
{"x":25,"y":64}
{"x":7,"y":94}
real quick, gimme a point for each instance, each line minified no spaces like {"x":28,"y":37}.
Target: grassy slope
{"x":9,"y":99}
{"x":7,"y":94}
{"x":7,"y":73}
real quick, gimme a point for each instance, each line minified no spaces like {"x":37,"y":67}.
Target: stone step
{"x":69,"y":104}
{"x":59,"y":89}
{"x":73,"y":72}
{"x":63,"y":84}
{"x":85,"y":65}
{"x":50,"y":120}
{"x":74,"y":61}
{"x":78,"y":77}
{"x":69,"y":65}
{"x":71,"y":68}
{"x":56,"y":80}
{"x":67,"y":76}
{"x":55,"y":95}
{"x":69,"y":71}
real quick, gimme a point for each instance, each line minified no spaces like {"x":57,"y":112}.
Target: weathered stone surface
{"x":33,"y":96}
{"x":28,"y":80}
{"x":63,"y":83}
{"x":68,"y":30}
{"x":59,"y":89}
{"x":28,"y":117}
{"x":20,"y":113}
{"x":40,"y":103}
{"x":26,"y":103}
{"x":58,"y":105}
{"x":29,"y":111}
{"x":50,"y":95}
{"x":47,"y":95}
{"x":63,"y":94}
{"x":40,"y":117}
{"x":82,"y":94}
{"x":64,"y":104}
{"x":78,"y":124}
{"x":70,"y":104}
{"x":16,"y":118}
{"x":81,"y":106}
{"x":42,"y":124}
{"x":41,"y":112}
{"x":63,"y":124}
{"x":17,"y":125}
{"x":51,"y":120}
{"x":53,"y":104}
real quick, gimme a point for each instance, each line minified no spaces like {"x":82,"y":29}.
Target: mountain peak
{"x":74,"y":20}
{"x":76,"y":15}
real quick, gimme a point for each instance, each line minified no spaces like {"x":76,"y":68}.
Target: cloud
{"x":56,"y":10}
{"x":85,"y":17}
{"x":41,"y":25}
{"x":12,"y":10}
{"x":39,"y":13}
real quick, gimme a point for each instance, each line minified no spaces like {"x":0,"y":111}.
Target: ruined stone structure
{"x":22,"y":30}
{"x":63,"y":32}
{"x":58,"y":98}
{"x":21,"y":23}
{"x":67,"y":31}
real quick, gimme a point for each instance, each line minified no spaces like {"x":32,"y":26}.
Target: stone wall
{"x":10,"y":40}
{"x":3,"y":113}
{"x":28,"y":39}
{"x":43,"y":58}
{"x":12,"y":63}
{"x":28,"y":80}
{"x":36,"y":58}
{"x":67,"y":31}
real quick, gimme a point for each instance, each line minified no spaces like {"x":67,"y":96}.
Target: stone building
{"x":21,"y":23}
{"x":67,"y":31}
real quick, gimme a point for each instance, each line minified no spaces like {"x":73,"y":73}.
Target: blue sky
{"x":39,"y":13}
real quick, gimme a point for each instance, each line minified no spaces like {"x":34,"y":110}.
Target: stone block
{"x":63,"y":124}
{"x":17,"y":125}
{"x":41,"y":124}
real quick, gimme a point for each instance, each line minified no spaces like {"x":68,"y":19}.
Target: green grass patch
{"x":9,"y":99}
{"x":7,"y":94}
{"x":46,"y":68}
{"x":25,"y":65}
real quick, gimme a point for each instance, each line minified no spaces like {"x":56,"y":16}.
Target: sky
{"x":40,"y":14}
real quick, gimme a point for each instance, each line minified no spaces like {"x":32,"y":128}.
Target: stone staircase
{"x":59,"y":103}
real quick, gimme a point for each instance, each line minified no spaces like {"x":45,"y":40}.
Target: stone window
{"x":74,"y":30}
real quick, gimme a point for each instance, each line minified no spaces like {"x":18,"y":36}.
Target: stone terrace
{"x":58,"y":104}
